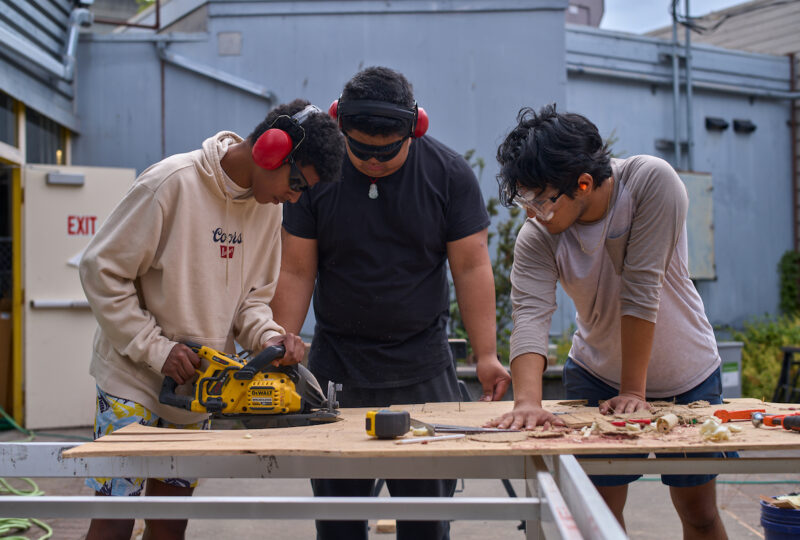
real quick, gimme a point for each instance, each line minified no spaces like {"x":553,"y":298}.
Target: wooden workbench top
{"x":347,"y":438}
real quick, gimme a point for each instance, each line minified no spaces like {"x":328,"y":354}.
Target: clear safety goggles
{"x":543,"y":208}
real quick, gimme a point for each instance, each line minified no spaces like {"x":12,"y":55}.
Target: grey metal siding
{"x":40,"y":29}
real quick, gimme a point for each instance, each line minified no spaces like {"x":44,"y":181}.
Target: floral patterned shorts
{"x":113,"y":413}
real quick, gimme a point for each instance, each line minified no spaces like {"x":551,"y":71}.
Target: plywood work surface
{"x":347,"y":438}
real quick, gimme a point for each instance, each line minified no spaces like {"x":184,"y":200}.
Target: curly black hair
{"x":323,"y":145}
{"x":551,"y":149}
{"x":378,"y":83}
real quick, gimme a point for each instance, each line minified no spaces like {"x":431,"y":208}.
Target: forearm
{"x":295,"y":282}
{"x":526,"y":373}
{"x":637,"y":345}
{"x":476,"y":301}
{"x":291,"y":301}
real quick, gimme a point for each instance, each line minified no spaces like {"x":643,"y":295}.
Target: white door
{"x":62,"y":209}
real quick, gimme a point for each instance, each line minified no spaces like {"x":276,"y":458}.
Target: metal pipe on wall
{"x":795,"y":142}
{"x":615,"y":73}
{"x":689,"y":123}
{"x":676,"y":89}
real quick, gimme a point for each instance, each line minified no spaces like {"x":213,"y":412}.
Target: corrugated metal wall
{"x":33,"y":35}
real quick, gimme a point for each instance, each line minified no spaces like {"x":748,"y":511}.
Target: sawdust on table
{"x":506,"y":437}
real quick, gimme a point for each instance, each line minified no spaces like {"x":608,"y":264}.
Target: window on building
{"x":8,"y":120}
{"x":45,"y":140}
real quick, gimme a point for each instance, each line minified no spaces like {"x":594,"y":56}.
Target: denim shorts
{"x":580,"y":384}
{"x":113,"y":413}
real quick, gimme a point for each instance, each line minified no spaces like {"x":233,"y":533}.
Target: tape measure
{"x":386,"y":424}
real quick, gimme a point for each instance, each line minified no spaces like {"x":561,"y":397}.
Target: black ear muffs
{"x":416,"y":117}
{"x":274,"y":147}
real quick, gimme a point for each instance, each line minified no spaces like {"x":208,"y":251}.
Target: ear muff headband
{"x":275,"y":146}
{"x":416,"y":117}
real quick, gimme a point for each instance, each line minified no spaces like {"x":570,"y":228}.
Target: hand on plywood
{"x":623,"y":403}
{"x":525,"y":416}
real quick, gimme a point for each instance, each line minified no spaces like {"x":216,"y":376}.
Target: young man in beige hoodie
{"x":192,"y":252}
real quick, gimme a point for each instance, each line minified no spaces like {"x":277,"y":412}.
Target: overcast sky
{"x":639,"y":16}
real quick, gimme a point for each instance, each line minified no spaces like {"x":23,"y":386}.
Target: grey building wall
{"x":462,"y":58}
{"x":473,"y":65}
{"x":623,"y":83}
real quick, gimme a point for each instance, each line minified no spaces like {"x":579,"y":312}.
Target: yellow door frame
{"x":15,"y":155}
{"x":17,"y":294}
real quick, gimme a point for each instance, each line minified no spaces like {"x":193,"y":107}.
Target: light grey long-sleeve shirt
{"x":640,"y":271}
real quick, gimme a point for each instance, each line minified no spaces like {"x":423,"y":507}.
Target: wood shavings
{"x":711,"y":430}
{"x":661,"y":404}
{"x":700,"y":404}
{"x":499,"y":437}
{"x":778,"y":502}
{"x":577,"y":420}
{"x":586,"y":431}
{"x":793,"y":500}
{"x":666,"y":423}
{"x":546,"y":434}
{"x":574,"y":403}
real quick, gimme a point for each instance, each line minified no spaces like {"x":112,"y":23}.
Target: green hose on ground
{"x":11,"y":528}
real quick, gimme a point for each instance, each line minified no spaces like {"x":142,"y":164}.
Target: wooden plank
{"x":347,"y":437}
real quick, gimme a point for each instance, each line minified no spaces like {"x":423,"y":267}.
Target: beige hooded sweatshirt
{"x":179,"y":260}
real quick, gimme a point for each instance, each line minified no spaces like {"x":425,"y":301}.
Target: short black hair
{"x":551,"y":149}
{"x":323,"y":145}
{"x":378,"y":83}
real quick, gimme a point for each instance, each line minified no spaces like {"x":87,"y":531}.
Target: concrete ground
{"x":649,"y":513}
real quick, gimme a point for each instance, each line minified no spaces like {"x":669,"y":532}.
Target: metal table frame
{"x":559,"y":501}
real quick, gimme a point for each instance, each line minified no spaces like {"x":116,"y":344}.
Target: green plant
{"x":761,"y":353}
{"x":789,"y":270}
{"x":143,"y":4}
{"x":563,"y":343}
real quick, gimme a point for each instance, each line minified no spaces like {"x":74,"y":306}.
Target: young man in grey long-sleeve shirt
{"x":613,"y":233}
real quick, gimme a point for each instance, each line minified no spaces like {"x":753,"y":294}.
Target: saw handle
{"x":791,"y":422}
{"x":169,"y":397}
{"x":260,"y":362}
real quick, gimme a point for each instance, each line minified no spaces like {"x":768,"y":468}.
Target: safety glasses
{"x":297,"y":181}
{"x":543,"y":208}
{"x":365,"y":152}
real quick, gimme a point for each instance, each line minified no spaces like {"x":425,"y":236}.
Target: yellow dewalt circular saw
{"x":253,"y":391}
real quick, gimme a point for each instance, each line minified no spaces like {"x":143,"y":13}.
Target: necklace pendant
{"x":373,"y":191}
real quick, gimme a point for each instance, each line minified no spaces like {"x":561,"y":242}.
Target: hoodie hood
{"x":214,"y":148}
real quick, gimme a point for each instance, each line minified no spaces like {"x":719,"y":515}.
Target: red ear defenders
{"x":275,"y":146}
{"x":416,"y":117}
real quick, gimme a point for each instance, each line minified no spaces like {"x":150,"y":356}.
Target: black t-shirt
{"x":381,"y":297}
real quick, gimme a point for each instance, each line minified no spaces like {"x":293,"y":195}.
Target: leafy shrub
{"x":789,"y":270}
{"x":563,"y":344}
{"x":761,"y":354}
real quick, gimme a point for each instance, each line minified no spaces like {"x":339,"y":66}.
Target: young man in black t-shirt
{"x":373,"y":249}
